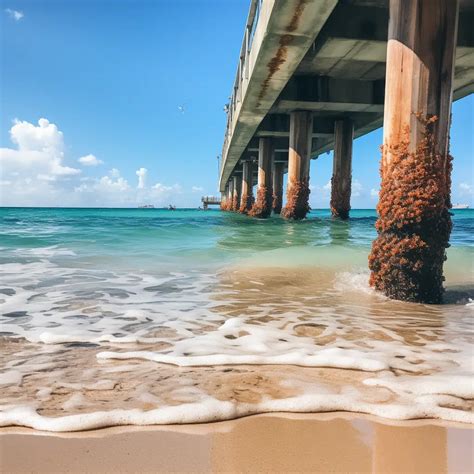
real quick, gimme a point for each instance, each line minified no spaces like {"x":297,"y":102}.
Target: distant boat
{"x":171,"y":207}
{"x":460,"y":206}
{"x":146,"y":206}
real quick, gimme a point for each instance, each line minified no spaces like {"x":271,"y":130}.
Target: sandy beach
{"x":264,"y":443}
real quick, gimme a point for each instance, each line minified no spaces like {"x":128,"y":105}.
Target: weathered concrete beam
{"x":322,"y":93}
{"x":237,"y":188}
{"x":284,"y":33}
{"x":278,"y":172}
{"x":342,"y":169}
{"x":293,"y":105}
{"x":357,"y":48}
{"x":414,"y":222}
{"x":263,"y":203}
{"x":278,"y":126}
{"x":299,"y":156}
{"x":330,"y":89}
{"x":279,"y":144}
{"x":246,"y":201}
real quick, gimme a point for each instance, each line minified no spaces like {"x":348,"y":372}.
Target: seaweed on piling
{"x":277,"y":203}
{"x":340,"y":200}
{"x":246,"y":203}
{"x":297,"y":205}
{"x":414,"y":223}
{"x":235,"y":203}
{"x":263,"y":204}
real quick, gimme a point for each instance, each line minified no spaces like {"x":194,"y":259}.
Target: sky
{"x":120,"y":103}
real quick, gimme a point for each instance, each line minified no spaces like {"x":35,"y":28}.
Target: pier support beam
{"x":247,"y":187}
{"x":263,"y":204}
{"x":230,"y":194}
{"x":223,"y":196}
{"x":236,"y":193}
{"x":278,"y":172}
{"x":342,"y":169}
{"x":225,"y":199}
{"x":299,"y":155}
{"x":414,"y":223}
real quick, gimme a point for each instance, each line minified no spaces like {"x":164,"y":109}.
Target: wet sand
{"x":335,"y":442}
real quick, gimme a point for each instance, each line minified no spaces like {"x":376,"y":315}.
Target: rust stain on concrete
{"x":279,"y":59}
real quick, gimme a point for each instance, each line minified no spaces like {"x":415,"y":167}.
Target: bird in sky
{"x":182,"y":108}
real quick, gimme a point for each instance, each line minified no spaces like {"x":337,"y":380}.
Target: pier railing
{"x":243,"y":72}
{"x":211,"y":199}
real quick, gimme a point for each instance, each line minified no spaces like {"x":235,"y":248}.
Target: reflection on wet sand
{"x":328,"y":305}
{"x":294,"y":443}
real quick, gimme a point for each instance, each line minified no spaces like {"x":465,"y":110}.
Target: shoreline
{"x":277,"y":442}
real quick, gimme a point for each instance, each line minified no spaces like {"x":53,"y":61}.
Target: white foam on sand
{"x":209,"y":409}
{"x":258,"y":345}
{"x":420,"y":354}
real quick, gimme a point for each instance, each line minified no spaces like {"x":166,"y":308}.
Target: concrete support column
{"x":299,"y":155}
{"x":230,"y":194}
{"x":342,"y":169}
{"x":263,"y":204}
{"x":247,"y":187}
{"x":236,"y":192}
{"x":224,"y":198}
{"x":278,"y":172}
{"x":414,"y":223}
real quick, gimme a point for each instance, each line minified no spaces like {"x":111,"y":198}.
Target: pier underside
{"x":311,"y":81}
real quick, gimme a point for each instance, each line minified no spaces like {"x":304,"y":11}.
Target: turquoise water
{"x":185,"y":239}
{"x":95,"y":299}
{"x":50,"y":256}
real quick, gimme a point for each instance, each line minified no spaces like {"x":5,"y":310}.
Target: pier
{"x":312,"y":75}
{"x":210,"y":201}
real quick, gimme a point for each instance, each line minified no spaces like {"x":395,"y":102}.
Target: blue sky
{"x":108,"y":78}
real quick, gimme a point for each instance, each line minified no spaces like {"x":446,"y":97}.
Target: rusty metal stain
{"x":279,"y":59}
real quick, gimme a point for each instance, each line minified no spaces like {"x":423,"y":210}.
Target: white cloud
{"x":14,"y":14}
{"x":197,"y":189}
{"x":327,"y":186}
{"x":466,"y":189}
{"x":161,"y":189}
{"x":90,"y":160}
{"x":141,"y":173}
{"x":33,"y":172}
{"x":40,"y":152}
{"x":109,"y":189}
{"x":374,"y":193}
{"x":357,"y":188}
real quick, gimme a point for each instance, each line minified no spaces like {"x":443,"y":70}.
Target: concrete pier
{"x":237,"y":187}
{"x":225,"y":198}
{"x":297,"y":195}
{"x":278,"y":172}
{"x":342,"y":169}
{"x":263,"y":202}
{"x":414,"y":222}
{"x":312,"y":76}
{"x":210,"y":201}
{"x":230,"y":194}
{"x":246,"y":200}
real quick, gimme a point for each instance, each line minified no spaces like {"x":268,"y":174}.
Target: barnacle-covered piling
{"x":246,"y":200}
{"x":414,"y":222}
{"x":263,"y":204}
{"x":297,"y":201}
{"x":297,"y":194}
{"x":277,"y":198}
{"x":342,"y":168}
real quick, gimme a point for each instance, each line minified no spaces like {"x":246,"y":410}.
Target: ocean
{"x":148,"y":316}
